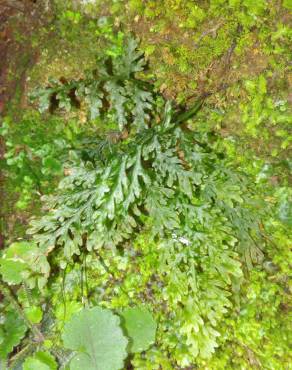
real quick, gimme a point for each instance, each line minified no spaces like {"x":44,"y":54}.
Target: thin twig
{"x":227,"y":58}
{"x":208,"y":32}
{"x":230,"y":51}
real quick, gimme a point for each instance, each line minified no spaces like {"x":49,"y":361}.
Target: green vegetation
{"x":147,"y":190}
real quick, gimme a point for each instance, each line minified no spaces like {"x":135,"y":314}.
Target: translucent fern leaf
{"x":142,"y":104}
{"x":117,"y":99}
{"x":131,"y":61}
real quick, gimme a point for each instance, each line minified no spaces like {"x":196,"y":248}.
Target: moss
{"x":194,"y":47}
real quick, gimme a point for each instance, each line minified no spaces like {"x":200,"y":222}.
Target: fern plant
{"x":160,"y":194}
{"x":111,"y":91}
{"x":157,"y":176}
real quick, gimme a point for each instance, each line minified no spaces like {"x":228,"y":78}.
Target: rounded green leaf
{"x":82,"y":361}
{"x":40,"y":361}
{"x":12,"y":330}
{"x":24,"y":261}
{"x":96,"y":334}
{"x":12,"y":271}
{"x":140,"y":327}
{"x":34,"y":314}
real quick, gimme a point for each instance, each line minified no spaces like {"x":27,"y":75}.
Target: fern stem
{"x":64,"y":293}
{"x":27,"y":293}
{"x":191,"y":112}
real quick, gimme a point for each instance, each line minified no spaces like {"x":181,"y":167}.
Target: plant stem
{"x":191,"y":112}
{"x":20,"y":355}
{"x":27,"y":293}
{"x":10,"y":295}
